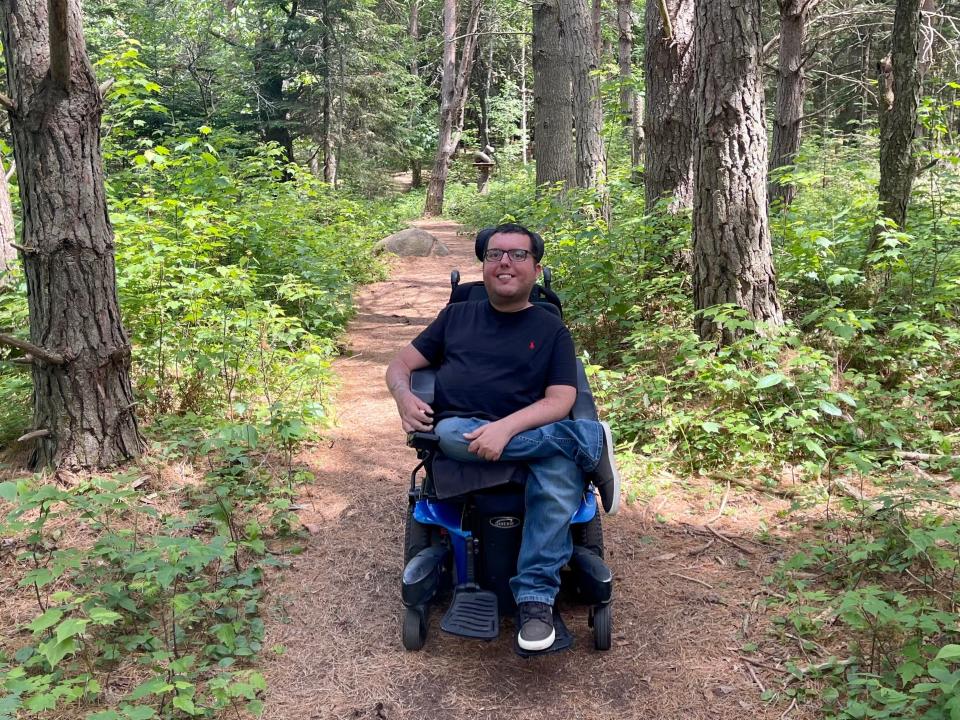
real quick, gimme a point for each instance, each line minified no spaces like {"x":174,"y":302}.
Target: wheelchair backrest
{"x":540,"y":295}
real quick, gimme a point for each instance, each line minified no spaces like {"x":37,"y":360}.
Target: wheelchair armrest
{"x":584,"y":407}
{"x":422,"y":383}
{"x":423,"y":440}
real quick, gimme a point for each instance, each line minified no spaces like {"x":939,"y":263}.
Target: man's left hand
{"x":488,"y":441}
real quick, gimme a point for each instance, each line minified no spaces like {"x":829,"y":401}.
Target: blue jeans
{"x":556,"y":455}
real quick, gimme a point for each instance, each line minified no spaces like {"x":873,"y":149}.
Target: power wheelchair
{"x":467,"y":543}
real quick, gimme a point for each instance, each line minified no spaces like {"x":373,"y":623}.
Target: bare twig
{"x":51,"y":358}
{"x":702,"y":549}
{"x":665,"y":16}
{"x":756,"y":487}
{"x":725,"y":539}
{"x":693,"y":580}
{"x":12,"y":169}
{"x":756,"y":679}
{"x":789,"y":709}
{"x":106,"y":85}
{"x":765,"y":666}
{"x":7,"y":104}
{"x":723,"y":505}
{"x":33,"y":435}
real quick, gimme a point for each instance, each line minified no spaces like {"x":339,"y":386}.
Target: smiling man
{"x":506,"y":381}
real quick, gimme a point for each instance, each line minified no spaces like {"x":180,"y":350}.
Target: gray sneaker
{"x":606,"y":476}
{"x":536,"y":626}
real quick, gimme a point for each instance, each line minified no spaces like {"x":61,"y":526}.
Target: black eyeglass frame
{"x":515,"y":254}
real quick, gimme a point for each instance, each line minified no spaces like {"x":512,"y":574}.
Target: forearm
{"x":542,"y":412}
{"x":398,"y":378}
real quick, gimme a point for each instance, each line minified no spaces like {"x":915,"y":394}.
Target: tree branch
{"x":7,"y":104}
{"x":59,"y":22}
{"x":665,"y":16}
{"x":11,"y":170}
{"x":106,"y":85}
{"x":33,"y":435}
{"x":51,"y":358}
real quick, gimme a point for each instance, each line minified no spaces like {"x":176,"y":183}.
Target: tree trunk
{"x":8,"y":253}
{"x":629,"y":101}
{"x":413,"y":31}
{"x":523,"y":99}
{"x":732,"y":256}
{"x":271,"y":105}
{"x":453,"y":97}
{"x":328,"y":140}
{"x":791,"y":89}
{"x":81,"y":371}
{"x":899,"y":100}
{"x":552,"y":100}
{"x":578,"y":41}
{"x":668,"y":110}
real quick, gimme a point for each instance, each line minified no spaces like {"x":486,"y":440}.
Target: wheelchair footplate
{"x":562,"y":641}
{"x":473,"y":613}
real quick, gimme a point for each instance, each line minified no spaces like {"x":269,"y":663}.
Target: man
{"x":506,"y":382}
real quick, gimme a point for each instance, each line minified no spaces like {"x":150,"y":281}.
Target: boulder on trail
{"x":412,"y":242}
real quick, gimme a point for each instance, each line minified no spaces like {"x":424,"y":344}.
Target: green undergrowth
{"x":859,"y":388}
{"x":873,"y":604}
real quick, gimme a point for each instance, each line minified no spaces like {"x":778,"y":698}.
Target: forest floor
{"x":686,"y":610}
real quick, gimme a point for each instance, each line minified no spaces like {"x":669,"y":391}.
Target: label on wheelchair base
{"x":505,"y":522}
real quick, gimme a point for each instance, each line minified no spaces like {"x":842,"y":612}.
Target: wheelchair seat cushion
{"x":452,"y":478}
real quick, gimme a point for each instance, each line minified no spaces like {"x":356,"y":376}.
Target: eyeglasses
{"x":495,"y":254}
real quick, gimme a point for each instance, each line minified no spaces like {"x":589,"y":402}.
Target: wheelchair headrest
{"x":539,"y":296}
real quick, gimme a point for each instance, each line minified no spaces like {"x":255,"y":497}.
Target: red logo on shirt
{"x":532,"y":346}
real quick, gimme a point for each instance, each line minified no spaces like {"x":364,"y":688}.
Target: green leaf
{"x":710,"y":427}
{"x":8,"y":491}
{"x":770,"y":381}
{"x":815,"y":448}
{"x":71,"y":627}
{"x":153,"y":686}
{"x":182,"y":702}
{"x":949,"y":652}
{"x":830,"y":408}
{"x":846,"y":399}
{"x":50,"y":618}
{"x":55,"y":650}
{"x":138,"y":712}
{"x":102,"y":616}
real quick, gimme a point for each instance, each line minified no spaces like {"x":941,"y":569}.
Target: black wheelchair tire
{"x":416,"y":537}
{"x":590,"y":535}
{"x":602,"y":621}
{"x":414,"y":629}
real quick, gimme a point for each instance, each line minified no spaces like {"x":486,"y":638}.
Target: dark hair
{"x":483,"y":237}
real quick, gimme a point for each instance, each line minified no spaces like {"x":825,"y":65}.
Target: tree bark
{"x":579,"y":45}
{"x":413,"y":31}
{"x":271,"y":102}
{"x":8,"y":253}
{"x":899,"y":99}
{"x":791,"y":90}
{"x":86,"y":402}
{"x":552,"y":99}
{"x":328,"y":140}
{"x":629,"y":100}
{"x":732,"y":256}
{"x":453,"y":96}
{"x":668,"y":110}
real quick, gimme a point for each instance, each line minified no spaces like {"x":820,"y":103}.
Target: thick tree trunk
{"x":413,"y":31}
{"x":8,"y":253}
{"x":668,"y":110}
{"x":453,"y":97}
{"x":272,"y":106}
{"x":732,"y":257}
{"x":899,"y":100}
{"x":328,"y":140}
{"x":578,"y":42}
{"x":524,"y":112}
{"x":791,"y":89}
{"x":552,"y":100}
{"x":629,"y":102}
{"x":82,"y":394}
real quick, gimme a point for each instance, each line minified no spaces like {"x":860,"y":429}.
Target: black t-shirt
{"x":493,"y":363}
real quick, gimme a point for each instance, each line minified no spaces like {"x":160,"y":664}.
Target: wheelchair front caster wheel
{"x":414,"y":629}
{"x":601,"y":620}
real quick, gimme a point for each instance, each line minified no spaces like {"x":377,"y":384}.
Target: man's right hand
{"x":415,"y":414}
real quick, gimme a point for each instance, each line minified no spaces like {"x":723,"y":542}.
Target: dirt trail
{"x":336,"y":611}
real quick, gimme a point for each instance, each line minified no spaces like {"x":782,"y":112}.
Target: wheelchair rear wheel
{"x":416,"y":537}
{"x":589,"y":535}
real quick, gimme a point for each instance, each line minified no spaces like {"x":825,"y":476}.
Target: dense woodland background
{"x":755,"y":228}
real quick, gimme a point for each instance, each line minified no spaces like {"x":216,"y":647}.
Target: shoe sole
{"x":608,"y":443}
{"x":536,"y":645}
